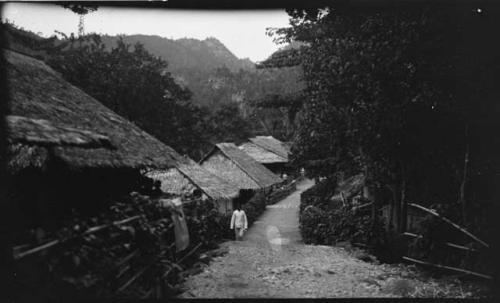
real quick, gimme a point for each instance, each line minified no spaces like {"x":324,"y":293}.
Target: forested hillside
{"x":216,"y":76}
{"x":186,"y":53}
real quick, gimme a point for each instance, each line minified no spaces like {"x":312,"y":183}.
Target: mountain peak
{"x":211,"y":38}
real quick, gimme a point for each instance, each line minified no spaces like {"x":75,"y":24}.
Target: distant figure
{"x":284,"y":176}
{"x":302,"y":172}
{"x":239,"y":222}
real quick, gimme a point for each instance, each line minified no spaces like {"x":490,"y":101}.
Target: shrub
{"x":317,"y":195}
{"x":314,"y":225}
{"x":322,"y":224}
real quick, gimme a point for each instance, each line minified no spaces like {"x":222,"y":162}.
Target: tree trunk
{"x":393,"y":211}
{"x":369,"y":195}
{"x":368,"y":192}
{"x":403,"y":204}
{"x":462,"y":199}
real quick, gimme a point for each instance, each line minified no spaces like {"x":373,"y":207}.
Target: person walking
{"x":239,"y":222}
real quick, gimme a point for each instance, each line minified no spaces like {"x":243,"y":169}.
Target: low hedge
{"x":322,"y":224}
{"x":327,"y":227}
{"x":318,"y":195}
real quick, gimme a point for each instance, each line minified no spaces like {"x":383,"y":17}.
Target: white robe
{"x":239,"y":220}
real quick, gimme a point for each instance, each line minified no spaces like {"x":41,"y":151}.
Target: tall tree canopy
{"x":136,"y":85}
{"x":403,"y":95}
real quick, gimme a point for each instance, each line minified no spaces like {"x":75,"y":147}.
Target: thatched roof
{"x":43,"y":132}
{"x":251,"y":168}
{"x":185,"y":178}
{"x":273,"y":145}
{"x":260,"y":154}
{"x":172,"y":181}
{"x":74,"y":127}
{"x":212,"y":185}
{"x":219,"y":164}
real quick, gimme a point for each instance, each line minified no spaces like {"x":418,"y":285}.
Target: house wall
{"x":221,"y":166}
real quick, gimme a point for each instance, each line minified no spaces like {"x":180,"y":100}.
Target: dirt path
{"x":273,"y":262}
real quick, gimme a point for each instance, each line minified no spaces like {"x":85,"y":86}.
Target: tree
{"x":389,"y":93}
{"x":136,"y":85}
{"x":228,"y":125}
{"x":81,"y":10}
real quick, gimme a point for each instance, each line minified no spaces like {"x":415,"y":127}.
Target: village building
{"x":66,"y":151}
{"x":270,"y":160}
{"x":270,"y":143}
{"x":269,"y":151}
{"x":230,"y":163}
{"x":190,"y":179}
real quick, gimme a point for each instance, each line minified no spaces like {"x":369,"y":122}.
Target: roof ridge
{"x":266,"y":148}
{"x":237,"y":164}
{"x":194,"y":182}
{"x":261,"y":148}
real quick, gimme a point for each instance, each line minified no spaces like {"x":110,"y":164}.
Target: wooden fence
{"x":448,"y":244}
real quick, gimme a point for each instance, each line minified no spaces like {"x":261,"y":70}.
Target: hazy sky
{"x":243,"y":32}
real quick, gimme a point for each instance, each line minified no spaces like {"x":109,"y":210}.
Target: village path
{"x":272,"y":262}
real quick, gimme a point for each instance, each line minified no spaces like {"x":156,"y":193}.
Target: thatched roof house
{"x":188,"y":177}
{"x":270,"y":152}
{"x":227,"y":161}
{"x":52,"y":119}
{"x":273,"y":145}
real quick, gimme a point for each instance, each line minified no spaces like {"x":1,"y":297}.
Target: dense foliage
{"x":134,"y":84}
{"x":406,"y":96}
{"x":324,"y":222}
{"x":226,"y":124}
